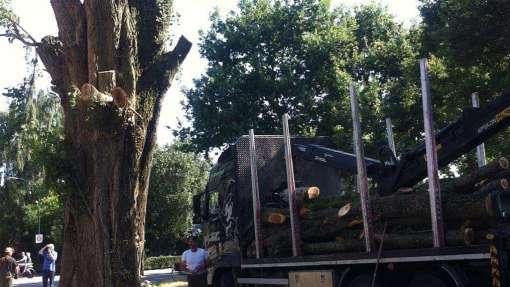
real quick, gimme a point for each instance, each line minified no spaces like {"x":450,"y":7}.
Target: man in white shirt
{"x":194,"y":260}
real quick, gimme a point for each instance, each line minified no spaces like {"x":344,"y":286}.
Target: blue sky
{"x":37,"y":17}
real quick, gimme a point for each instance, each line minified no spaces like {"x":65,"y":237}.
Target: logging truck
{"x":283,"y":211}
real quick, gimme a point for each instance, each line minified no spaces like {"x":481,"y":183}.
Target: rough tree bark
{"x":119,"y":48}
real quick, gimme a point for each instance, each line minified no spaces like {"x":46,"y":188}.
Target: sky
{"x":37,"y":17}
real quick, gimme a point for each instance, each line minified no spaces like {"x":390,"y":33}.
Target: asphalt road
{"x":154,"y":276}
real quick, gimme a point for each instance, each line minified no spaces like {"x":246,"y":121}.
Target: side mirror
{"x":197,"y":209}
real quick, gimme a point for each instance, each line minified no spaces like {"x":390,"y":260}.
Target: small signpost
{"x":38,"y":238}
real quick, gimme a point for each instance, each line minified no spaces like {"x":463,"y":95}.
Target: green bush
{"x":161,"y":262}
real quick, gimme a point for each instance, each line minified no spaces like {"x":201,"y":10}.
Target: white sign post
{"x":38,"y":238}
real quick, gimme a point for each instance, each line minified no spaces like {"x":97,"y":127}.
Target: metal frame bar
{"x":480,"y":150}
{"x":362,"y":181}
{"x":264,"y":281}
{"x":432,"y":167}
{"x":291,"y":186}
{"x":431,"y":258}
{"x":255,"y":196}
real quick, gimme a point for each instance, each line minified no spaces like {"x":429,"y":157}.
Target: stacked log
{"x":334,"y":224}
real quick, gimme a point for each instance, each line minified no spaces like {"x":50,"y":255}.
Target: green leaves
{"x":175,"y":177}
{"x":296,"y":57}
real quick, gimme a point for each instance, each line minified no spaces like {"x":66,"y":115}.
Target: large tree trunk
{"x":117,"y":47}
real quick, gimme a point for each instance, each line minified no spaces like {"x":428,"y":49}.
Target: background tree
{"x":29,"y":135}
{"x":176,"y":177}
{"x":299,"y":57}
{"x":111,"y":68}
{"x":470,"y":40}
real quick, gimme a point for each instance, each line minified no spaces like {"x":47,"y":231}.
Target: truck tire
{"x":425,"y":280}
{"x":362,"y":280}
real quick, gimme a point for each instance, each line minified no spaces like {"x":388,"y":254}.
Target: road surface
{"x":154,"y":276}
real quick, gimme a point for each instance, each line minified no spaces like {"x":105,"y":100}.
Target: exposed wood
{"x":303,"y":194}
{"x":90,"y":93}
{"x":344,"y":210}
{"x":274,"y":215}
{"x":106,"y":81}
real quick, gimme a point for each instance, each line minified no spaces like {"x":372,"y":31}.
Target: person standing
{"x":50,"y":257}
{"x":194,"y":261}
{"x":8,"y":268}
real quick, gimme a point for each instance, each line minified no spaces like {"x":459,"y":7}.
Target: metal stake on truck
{"x":225,"y":210}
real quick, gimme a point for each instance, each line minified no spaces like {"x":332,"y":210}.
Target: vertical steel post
{"x":391,"y":138}
{"x":255,"y":196}
{"x":362,"y":178}
{"x":480,"y":150}
{"x":432,"y":168}
{"x":291,"y":186}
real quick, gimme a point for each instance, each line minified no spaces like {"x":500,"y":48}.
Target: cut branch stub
{"x":89,"y":92}
{"x":106,"y":80}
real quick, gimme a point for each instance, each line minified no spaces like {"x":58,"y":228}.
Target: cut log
{"x":472,"y":181}
{"x":391,"y":241}
{"x":495,"y":185}
{"x":415,"y":208}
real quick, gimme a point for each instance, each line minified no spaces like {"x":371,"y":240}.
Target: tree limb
{"x":51,"y":52}
{"x":165,"y":68}
{"x":153,"y":20}
{"x":160,"y":76}
{"x":70,"y":16}
{"x":20,"y":35}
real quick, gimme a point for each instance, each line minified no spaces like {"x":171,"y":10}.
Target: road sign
{"x":38,"y":238}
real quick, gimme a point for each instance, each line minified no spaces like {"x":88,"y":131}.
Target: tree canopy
{"x":297,"y":57}
{"x":30,"y":132}
{"x":176,"y":177}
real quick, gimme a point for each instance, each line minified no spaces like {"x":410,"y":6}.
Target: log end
{"x":313,"y":192}
{"x":355,"y":222}
{"x":344,"y":210}
{"x":276,"y":218}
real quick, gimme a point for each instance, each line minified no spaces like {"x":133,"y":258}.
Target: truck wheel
{"x":426,"y":280}
{"x":363,"y":280}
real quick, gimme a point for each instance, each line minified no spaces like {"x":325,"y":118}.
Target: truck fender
{"x":457,"y":276}
{"x":343,"y":276}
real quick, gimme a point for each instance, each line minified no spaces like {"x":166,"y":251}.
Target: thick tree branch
{"x":70,"y":16}
{"x":154,"y":18}
{"x":166,"y":67}
{"x":51,"y":52}
{"x":160,"y":76}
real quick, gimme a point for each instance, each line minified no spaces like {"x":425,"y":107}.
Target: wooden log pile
{"x":334,"y":224}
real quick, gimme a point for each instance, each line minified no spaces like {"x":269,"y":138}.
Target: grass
{"x":173,"y":284}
